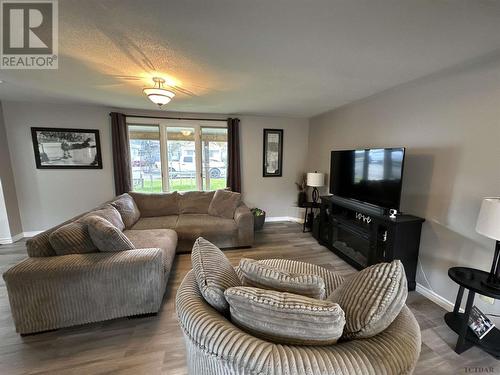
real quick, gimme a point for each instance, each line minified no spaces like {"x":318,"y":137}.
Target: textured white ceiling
{"x":273,"y":57}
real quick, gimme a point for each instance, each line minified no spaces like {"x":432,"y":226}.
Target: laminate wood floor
{"x":154,"y":345}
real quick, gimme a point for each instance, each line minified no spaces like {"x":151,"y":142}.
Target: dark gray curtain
{"x":121,"y":153}
{"x":233,"y":155}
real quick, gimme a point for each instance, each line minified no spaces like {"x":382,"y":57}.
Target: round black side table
{"x":471,"y":279}
{"x":308,"y":206}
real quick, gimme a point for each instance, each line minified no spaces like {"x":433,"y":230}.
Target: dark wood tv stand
{"x":363,"y":235}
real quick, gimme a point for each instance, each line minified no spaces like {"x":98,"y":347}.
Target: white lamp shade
{"x":315,"y":179}
{"x":488,"y":221}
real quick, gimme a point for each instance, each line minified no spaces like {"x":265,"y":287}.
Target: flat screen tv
{"x":371,"y":176}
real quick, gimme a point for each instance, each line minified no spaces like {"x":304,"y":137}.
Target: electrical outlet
{"x":488,"y":300}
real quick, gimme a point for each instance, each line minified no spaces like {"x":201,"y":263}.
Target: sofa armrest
{"x":243,"y":213}
{"x":244,"y":220}
{"x":60,"y":291}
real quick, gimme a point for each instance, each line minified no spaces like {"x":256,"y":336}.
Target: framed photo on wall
{"x":60,"y":148}
{"x":273,"y":153}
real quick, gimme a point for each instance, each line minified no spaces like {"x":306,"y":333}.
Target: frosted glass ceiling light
{"x":158,"y":94}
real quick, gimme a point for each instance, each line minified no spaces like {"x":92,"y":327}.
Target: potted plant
{"x":259,"y":217}
{"x":302,"y":186}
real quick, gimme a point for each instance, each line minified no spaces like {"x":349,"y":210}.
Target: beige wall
{"x":10,"y":220}
{"x":47,"y":197}
{"x":275,"y":195}
{"x":450,"y":124}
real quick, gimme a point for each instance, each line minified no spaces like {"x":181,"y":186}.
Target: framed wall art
{"x":273,"y":153}
{"x":60,"y":148}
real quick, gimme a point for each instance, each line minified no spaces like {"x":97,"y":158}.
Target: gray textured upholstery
{"x":156,"y":228}
{"x":285,"y":318}
{"x":215,"y":346}
{"x":164,"y":239}
{"x":127,"y":208}
{"x":158,"y":222}
{"x":332,"y":280}
{"x":161,"y":204}
{"x":195,"y":202}
{"x":372,"y":298}
{"x":187,"y":214}
{"x":72,"y":238}
{"x":214,"y":273}
{"x":108,"y":212}
{"x":263,"y":276}
{"x":39,"y":245}
{"x":218,"y":230}
{"x":84,"y":288}
{"x":224,"y":204}
{"x":105,"y":236}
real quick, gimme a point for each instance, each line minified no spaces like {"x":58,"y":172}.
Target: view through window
{"x":145,"y":158}
{"x":196,"y":156}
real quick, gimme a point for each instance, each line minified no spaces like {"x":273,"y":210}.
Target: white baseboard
{"x":284,"y":218}
{"x":8,"y":240}
{"x":436,"y":298}
{"x":32,"y":233}
{"x":5,"y":240}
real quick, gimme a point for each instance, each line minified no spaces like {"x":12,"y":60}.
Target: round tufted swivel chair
{"x":215,"y":346}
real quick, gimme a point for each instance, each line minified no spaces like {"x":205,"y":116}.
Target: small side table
{"x":308,"y":206}
{"x":471,"y":279}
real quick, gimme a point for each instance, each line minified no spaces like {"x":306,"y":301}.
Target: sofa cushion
{"x":151,"y":205}
{"x":127,"y":208}
{"x":263,"y":276}
{"x":214,"y":274}
{"x":164,"y":239}
{"x":224,"y":203}
{"x":192,"y":226}
{"x":372,"y":299}
{"x":72,"y":238}
{"x":159,"y":222}
{"x":107,"y":237}
{"x":285,"y":318}
{"x":107,"y":212}
{"x":195,"y":202}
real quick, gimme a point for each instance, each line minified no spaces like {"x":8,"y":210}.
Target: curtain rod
{"x":178,"y":118}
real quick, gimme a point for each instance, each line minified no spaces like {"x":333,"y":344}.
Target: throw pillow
{"x":107,"y":237}
{"x":107,"y":212}
{"x":152,"y":205}
{"x":224,"y":203}
{"x":213,"y":273}
{"x":372,"y":299}
{"x":195,"y":202}
{"x":72,"y":238}
{"x":127,"y":208}
{"x":264,"y":276}
{"x":285,"y":318}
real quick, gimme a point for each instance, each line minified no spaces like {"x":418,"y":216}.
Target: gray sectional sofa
{"x":75,"y":283}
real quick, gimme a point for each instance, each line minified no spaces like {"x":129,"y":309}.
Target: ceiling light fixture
{"x":185,"y":133}
{"x":158,"y":94}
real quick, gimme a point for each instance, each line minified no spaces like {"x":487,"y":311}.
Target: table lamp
{"x":488,"y":224}
{"x":315,"y":180}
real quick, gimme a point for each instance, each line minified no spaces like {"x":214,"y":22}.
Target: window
{"x":214,"y":158}
{"x":177,"y":155}
{"x":145,"y":158}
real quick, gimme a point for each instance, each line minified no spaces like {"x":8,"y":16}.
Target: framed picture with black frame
{"x":64,"y":148}
{"x":272,"y":165}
